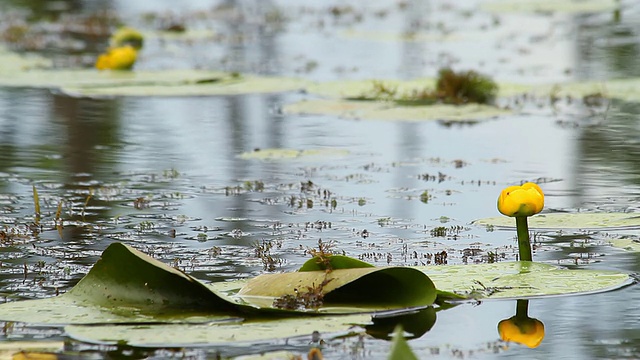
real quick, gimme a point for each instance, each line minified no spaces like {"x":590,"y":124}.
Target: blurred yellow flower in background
{"x":127,"y":36}
{"x":119,"y":58}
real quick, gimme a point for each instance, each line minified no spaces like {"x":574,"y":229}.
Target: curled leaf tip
{"x":521,"y":200}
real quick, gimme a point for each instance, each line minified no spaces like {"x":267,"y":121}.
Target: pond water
{"x":164,"y":174}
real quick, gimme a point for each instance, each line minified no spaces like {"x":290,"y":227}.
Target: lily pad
{"x":13,"y":62}
{"x":127,"y":286}
{"x":208,"y":86}
{"x":565,"y":6}
{"x":626,"y":244}
{"x":347,"y":290}
{"x":415,"y":323}
{"x":282,"y":154}
{"x":352,"y":89}
{"x":609,"y":221}
{"x":522,"y":279}
{"x":376,"y":110}
{"x":180,"y":335}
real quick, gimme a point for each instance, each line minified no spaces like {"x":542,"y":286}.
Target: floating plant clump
{"x":450,"y":88}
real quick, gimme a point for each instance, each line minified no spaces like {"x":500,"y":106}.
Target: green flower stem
{"x":522,"y":309}
{"x":524,"y":245}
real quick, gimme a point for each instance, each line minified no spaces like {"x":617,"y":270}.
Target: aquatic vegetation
{"x":521,"y":202}
{"x":451,"y":88}
{"x":312,"y":298}
{"x":464,"y":87}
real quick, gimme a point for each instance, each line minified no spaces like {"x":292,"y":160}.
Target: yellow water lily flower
{"x":127,"y":36}
{"x":526,"y":331}
{"x":524,"y":200}
{"x":119,"y":58}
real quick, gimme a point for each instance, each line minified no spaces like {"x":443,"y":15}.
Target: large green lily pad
{"x":126,"y":285}
{"x":258,"y":330}
{"x":569,"y":221}
{"x":379,"y":110}
{"x":522,"y":279}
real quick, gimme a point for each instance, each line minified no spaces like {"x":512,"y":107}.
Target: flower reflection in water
{"x":521,"y":328}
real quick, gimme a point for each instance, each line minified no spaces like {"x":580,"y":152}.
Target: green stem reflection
{"x":522,"y":309}
{"x":524,"y":245}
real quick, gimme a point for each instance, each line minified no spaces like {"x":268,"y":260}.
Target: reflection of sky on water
{"x":52,"y":138}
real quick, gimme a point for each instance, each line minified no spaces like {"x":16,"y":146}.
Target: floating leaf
{"x":569,"y":221}
{"x":626,"y":244}
{"x":347,"y":290}
{"x":282,"y":154}
{"x":206,"y":86}
{"x":14,"y":63}
{"x":127,"y":286}
{"x":352,"y":89}
{"x":182,"y":335}
{"x":415,"y":322}
{"x":567,"y":6}
{"x":522,"y":279}
{"x":375,"y":110}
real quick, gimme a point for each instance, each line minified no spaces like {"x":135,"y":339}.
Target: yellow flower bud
{"x":526,"y":331}
{"x":120,"y":58}
{"x":524,"y":200}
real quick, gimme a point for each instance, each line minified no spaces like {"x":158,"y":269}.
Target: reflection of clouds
{"x":520,"y":328}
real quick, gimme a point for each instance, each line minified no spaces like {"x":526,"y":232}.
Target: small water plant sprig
{"x":451,"y":87}
{"x":522,"y":201}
